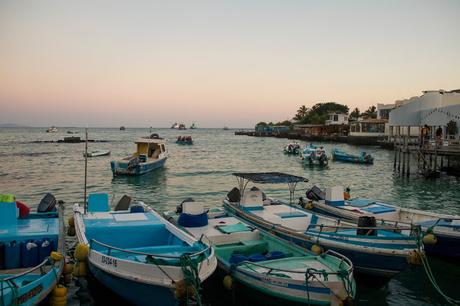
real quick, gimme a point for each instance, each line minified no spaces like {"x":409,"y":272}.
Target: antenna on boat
{"x":86,"y":165}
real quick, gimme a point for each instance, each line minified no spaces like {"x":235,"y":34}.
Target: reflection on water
{"x":204,"y":171}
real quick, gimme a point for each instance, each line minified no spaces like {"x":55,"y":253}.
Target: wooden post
{"x":408,"y":151}
{"x":404,"y":156}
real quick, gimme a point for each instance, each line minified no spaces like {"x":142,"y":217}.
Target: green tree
{"x":371,"y":112}
{"x":301,"y":113}
{"x":319,"y":113}
{"x":355,"y":113}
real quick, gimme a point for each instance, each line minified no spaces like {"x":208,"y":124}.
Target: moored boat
{"x":151,"y":154}
{"x":314,"y":155}
{"x":263,"y":262}
{"x":31,"y":250}
{"x":52,"y":129}
{"x":138,"y":254}
{"x":292,"y":148}
{"x":441,"y":231}
{"x":193,"y":126}
{"x":374,"y":250}
{"x":362,"y":158}
{"x":187,"y":140}
{"x":96,"y":153}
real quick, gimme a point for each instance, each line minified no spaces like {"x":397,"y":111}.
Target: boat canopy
{"x":244,"y":178}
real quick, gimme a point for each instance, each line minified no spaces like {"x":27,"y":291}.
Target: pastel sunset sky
{"x":234,"y":63}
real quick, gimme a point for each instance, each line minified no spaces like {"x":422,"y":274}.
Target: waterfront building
{"x":370,"y":127}
{"x":434,"y":108}
{"x":337,"y":119}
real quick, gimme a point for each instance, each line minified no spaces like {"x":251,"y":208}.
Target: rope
{"x":191,"y":277}
{"x":430,"y":274}
{"x":343,"y":274}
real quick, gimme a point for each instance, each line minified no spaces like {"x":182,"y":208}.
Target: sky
{"x":216,"y":63}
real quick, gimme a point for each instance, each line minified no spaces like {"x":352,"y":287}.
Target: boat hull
{"x":121,"y":168}
{"x":351,"y":159}
{"x":134,"y":292}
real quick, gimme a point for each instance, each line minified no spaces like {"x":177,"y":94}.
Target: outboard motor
{"x":234,"y":195}
{"x":366,"y":221}
{"x":315,"y":193}
{"x":47,"y":204}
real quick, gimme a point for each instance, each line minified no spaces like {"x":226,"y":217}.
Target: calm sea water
{"x":204,"y":171}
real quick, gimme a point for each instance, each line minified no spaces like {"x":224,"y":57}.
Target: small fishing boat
{"x":182,"y":127}
{"x":314,"y":155}
{"x":122,"y":128}
{"x":31,"y":250}
{"x":362,"y":158}
{"x":441,"y":231}
{"x":374,"y":250}
{"x":151,"y":154}
{"x":292,"y":148}
{"x":193,"y":126}
{"x":263,"y":262}
{"x":138,"y":254}
{"x":185,"y":140}
{"x":96,"y":153}
{"x":225,"y":128}
{"x":175,"y":125}
{"x":52,"y":129}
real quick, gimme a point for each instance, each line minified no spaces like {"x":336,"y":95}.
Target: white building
{"x":435,"y":108}
{"x":337,"y":118}
{"x":383,"y":110}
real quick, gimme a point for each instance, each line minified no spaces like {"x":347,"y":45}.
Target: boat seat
{"x":378,"y":209}
{"x":246,"y":247}
{"x":98,"y":202}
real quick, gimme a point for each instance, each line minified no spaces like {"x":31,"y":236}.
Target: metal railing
{"x":40,"y":266}
{"x":110,"y":248}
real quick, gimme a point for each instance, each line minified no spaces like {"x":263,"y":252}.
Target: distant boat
{"x":175,"y":125}
{"x":52,"y":129}
{"x":314,"y":155}
{"x":150,"y":155}
{"x":138,"y":254}
{"x":96,"y":153}
{"x":184,"y":140}
{"x":292,"y":148}
{"x":226,"y":128}
{"x":362,"y":158}
{"x":182,"y":126}
{"x":122,"y":128}
{"x":72,"y":132}
{"x":193,"y":126}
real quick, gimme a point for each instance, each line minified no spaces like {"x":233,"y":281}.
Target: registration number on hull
{"x":109,"y":261}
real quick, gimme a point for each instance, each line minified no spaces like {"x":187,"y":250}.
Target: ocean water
{"x":204,"y":170}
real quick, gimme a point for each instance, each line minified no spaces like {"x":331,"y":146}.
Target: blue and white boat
{"x":362,"y":158}
{"x":138,"y":254}
{"x":314,"y":155}
{"x":292,"y":148}
{"x":379,"y":251}
{"x":441,"y":231}
{"x":27,"y":271}
{"x":264,"y":262}
{"x":151,"y":154}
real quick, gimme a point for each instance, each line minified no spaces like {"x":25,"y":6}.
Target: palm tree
{"x":355,"y":113}
{"x":301,"y":113}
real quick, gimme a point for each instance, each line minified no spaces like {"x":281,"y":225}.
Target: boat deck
{"x":31,"y":229}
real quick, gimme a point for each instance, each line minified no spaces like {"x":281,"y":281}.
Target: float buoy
{"x":80,"y":269}
{"x":81,"y":252}
{"x":59,"y":291}
{"x":317,"y":249}
{"x":309,"y":205}
{"x":415,"y":258}
{"x":58,"y":301}
{"x":228,"y":282}
{"x":56,"y":256}
{"x":179,"y":291}
{"x":68,"y":268}
{"x":429,"y":239}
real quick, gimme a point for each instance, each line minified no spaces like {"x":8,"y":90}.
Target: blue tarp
{"x":270,"y":177}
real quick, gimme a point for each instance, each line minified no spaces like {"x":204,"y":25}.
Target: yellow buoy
{"x":309,"y":206}
{"x":430,"y":239}
{"x":228,"y":282}
{"x":80,"y":269}
{"x":68,"y":268}
{"x":56,"y":256}
{"x":59,"y":290}
{"x":179,"y":291}
{"x":317,"y":249}
{"x":415,"y":258}
{"x":71,"y":231}
{"x":81,"y":252}
{"x":71,"y":222}
{"x":58,"y":301}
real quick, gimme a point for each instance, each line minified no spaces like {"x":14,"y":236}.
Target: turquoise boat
{"x":265,"y":263}
{"x":27,"y":271}
{"x":314,"y":155}
{"x":362,"y":158}
{"x":151,"y":154}
{"x":138,"y":254}
{"x":375,"y":250}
